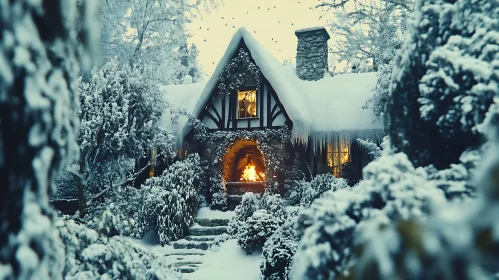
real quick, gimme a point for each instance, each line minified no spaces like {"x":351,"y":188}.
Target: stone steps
{"x":201,"y":231}
{"x":188,"y":253}
{"x":201,"y":238}
{"x":186,"y":244}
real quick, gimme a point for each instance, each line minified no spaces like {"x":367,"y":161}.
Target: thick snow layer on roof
{"x":329,"y":107}
{"x":335,"y":103}
{"x":179,"y":97}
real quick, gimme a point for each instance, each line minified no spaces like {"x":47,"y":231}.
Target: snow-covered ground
{"x":206,"y":212}
{"x":230,"y":262}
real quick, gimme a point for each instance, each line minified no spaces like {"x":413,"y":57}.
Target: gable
{"x":223,"y":111}
{"x":270,"y":68}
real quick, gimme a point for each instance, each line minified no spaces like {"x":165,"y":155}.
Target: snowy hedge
{"x":93,"y":256}
{"x":250,"y":202}
{"x":306,"y":192}
{"x":170,"y":200}
{"x":256,"y":230}
{"x":392,"y":189}
{"x":279,"y":250}
{"x":444,"y":80}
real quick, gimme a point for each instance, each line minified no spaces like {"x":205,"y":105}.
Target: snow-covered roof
{"x":179,"y":97}
{"x":332,"y":104}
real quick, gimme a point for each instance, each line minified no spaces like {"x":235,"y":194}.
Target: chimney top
{"x":312,"y":53}
{"x":318,"y":30}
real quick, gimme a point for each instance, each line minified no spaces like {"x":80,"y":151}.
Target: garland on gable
{"x":239,"y":72}
{"x":270,"y":142}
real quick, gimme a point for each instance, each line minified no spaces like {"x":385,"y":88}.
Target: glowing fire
{"x":250,"y":174}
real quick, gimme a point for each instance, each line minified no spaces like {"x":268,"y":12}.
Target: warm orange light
{"x":250,"y":174}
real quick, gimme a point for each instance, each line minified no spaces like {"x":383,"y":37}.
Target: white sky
{"x":272,"y":23}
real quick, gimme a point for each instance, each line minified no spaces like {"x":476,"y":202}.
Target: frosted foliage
{"x":118,"y":214}
{"x":392,"y":189}
{"x":120,"y":109}
{"x":170,"y":200}
{"x":373,"y":149}
{"x":92,"y":256}
{"x":306,"y":192}
{"x":444,"y":80}
{"x":463,"y":73}
{"x":38,"y":105}
{"x":152,"y":34}
{"x":249,"y":204}
{"x":123,"y":103}
{"x":451,"y":243}
{"x":256,"y":230}
{"x":278,"y":252}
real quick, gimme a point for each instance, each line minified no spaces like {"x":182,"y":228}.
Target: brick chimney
{"x":311,"y":53}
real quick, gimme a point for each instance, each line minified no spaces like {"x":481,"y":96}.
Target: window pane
{"x":246,"y":104}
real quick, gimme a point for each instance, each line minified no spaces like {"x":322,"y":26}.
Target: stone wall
{"x":312,"y":53}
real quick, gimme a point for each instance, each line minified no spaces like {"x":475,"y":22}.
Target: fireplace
{"x":244,"y":168}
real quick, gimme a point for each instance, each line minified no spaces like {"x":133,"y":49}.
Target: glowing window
{"x":338,"y":153}
{"x":246,"y":104}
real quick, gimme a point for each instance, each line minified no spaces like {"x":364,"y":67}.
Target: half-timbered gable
{"x":250,"y":106}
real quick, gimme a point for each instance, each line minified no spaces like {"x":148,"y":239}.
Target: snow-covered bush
{"x":92,"y":256}
{"x":392,"y":189}
{"x":444,"y":81}
{"x":170,"y":200}
{"x":278,"y":251}
{"x":452,"y":244}
{"x":306,"y":192}
{"x":373,"y":149}
{"x":256,"y":230}
{"x":117,"y":214}
{"x":274,"y":205}
{"x":250,"y":202}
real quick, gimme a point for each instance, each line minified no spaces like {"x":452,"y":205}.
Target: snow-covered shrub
{"x":306,"y":192}
{"x":274,"y":205}
{"x":444,"y":80}
{"x":117,"y":214}
{"x":392,"y":189}
{"x":278,"y":251}
{"x":373,"y":149}
{"x":250,"y":202}
{"x":452,"y":244}
{"x":256,"y":230}
{"x":93,"y":256}
{"x":170,"y":200}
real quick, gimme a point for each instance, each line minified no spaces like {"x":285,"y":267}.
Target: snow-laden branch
{"x":128,"y":179}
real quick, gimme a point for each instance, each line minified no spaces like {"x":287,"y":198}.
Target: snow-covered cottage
{"x":261,"y":123}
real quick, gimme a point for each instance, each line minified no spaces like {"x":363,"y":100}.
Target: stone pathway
{"x":187,"y":254}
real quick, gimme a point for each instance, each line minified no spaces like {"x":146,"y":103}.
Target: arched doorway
{"x":244,"y":168}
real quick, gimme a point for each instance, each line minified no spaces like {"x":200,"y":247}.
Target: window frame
{"x":247,"y":88}
{"x":335,"y":156}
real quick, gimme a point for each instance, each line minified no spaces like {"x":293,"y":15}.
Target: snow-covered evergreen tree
{"x":170,"y":203}
{"x":38,"y":103}
{"x":250,"y":202}
{"x":444,"y":81}
{"x":119,"y":112}
{"x":278,"y":252}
